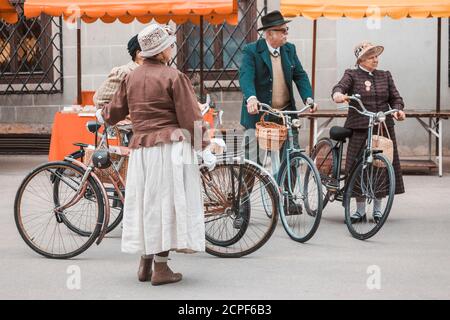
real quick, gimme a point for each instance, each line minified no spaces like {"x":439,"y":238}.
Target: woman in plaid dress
{"x":378,"y":92}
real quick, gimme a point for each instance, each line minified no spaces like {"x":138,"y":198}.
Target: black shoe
{"x":293,"y":208}
{"x":377,"y":215}
{"x":243,"y":212}
{"x":357,"y":217}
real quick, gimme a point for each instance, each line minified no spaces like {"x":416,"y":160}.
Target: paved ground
{"x":411,"y":256}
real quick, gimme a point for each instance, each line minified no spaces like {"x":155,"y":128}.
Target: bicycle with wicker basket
{"x":297,"y":176}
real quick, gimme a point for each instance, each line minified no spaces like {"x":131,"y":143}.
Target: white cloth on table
{"x":163,"y":201}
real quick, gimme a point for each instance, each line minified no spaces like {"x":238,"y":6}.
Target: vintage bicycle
{"x":370,"y":179}
{"x":299,"y":181}
{"x":63,"y":207}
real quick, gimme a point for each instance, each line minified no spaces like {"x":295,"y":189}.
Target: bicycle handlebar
{"x":278,"y":113}
{"x":364,"y":111}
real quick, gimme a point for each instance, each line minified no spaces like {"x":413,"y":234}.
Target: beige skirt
{"x":163,"y":201}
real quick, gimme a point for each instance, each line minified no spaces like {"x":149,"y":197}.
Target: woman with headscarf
{"x":378,"y":93}
{"x":163,"y":208}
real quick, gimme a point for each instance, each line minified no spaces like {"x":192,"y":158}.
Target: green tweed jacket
{"x":255,"y":77}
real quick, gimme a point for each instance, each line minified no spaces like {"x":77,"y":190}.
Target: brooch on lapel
{"x":368,"y":84}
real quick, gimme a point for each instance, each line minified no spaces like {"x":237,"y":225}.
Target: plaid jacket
{"x":105,"y":93}
{"x":377,"y":90}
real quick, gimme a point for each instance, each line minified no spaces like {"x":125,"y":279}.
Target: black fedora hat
{"x":272,"y":19}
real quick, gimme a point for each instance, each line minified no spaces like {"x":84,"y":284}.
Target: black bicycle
{"x":368,"y":185}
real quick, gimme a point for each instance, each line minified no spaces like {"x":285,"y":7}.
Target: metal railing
{"x":31,"y":56}
{"x":210,"y":55}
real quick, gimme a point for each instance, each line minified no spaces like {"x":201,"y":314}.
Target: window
{"x":31,"y":55}
{"x":223,"y":46}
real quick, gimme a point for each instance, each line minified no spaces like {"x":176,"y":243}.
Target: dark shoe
{"x":145,"y":269}
{"x":377,"y":215}
{"x":243,"y":212}
{"x":357,"y":217}
{"x":163,"y":275}
{"x":293,"y":208}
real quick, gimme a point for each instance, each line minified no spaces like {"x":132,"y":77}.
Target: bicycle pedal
{"x":292,"y":209}
{"x":332,"y":186}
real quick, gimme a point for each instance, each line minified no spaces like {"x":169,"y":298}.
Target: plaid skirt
{"x":358,"y":141}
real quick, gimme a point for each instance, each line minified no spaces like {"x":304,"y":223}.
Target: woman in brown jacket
{"x":163,"y":208}
{"x":378,"y":92}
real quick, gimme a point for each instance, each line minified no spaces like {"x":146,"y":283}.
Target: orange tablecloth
{"x":68,"y":128}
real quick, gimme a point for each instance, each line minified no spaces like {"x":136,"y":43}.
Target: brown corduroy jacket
{"x":162,"y":106}
{"x":381,"y":95}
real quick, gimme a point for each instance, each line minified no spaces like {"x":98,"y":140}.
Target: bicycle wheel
{"x":368,"y":184}
{"x":237,"y":228}
{"x":302,"y":197}
{"x":56,"y":234}
{"x":325,"y":159}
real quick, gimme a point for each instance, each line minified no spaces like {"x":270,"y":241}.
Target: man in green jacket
{"x":268,"y":69}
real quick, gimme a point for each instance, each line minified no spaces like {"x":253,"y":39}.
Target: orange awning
{"x":179,"y":11}
{"x":357,"y":9}
{"x":8,"y":12}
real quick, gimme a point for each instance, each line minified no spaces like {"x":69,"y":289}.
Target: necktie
{"x":275,"y":53}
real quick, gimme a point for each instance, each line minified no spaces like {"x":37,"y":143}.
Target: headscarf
{"x":133,"y":46}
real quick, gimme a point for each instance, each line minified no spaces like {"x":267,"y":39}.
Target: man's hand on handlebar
{"x":399,"y":115}
{"x":313,"y":108}
{"x":311,"y":104}
{"x":252,"y":106}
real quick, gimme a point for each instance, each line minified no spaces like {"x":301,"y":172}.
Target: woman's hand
{"x":99,"y":116}
{"x":217,"y":146}
{"x":339,"y":97}
{"x":208,"y":159}
{"x":399,"y":115}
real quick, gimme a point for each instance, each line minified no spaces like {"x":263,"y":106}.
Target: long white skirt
{"x":163,"y":201}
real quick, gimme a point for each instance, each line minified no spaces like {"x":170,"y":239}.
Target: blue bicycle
{"x":299,"y":181}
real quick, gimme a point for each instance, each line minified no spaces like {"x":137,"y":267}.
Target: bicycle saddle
{"x":93,"y":126}
{"x":340,"y":133}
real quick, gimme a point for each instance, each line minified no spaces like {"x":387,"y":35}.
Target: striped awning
{"x":179,"y":11}
{"x":357,"y":9}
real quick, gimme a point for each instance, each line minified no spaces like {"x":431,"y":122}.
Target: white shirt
{"x":272,"y":50}
{"x":364,"y":69}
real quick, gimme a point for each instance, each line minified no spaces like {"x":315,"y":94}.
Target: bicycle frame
{"x":90,"y":170}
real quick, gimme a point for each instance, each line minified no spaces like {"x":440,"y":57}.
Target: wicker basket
{"x":271,"y":135}
{"x":104,"y":174}
{"x":380,"y":142}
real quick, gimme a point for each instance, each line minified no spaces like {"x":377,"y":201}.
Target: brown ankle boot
{"x":145,"y":269}
{"x":163,"y":275}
